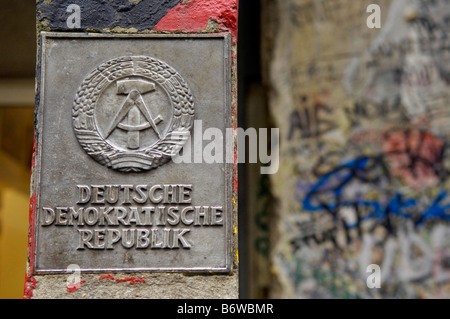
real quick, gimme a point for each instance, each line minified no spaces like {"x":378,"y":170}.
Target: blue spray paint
{"x":335,"y":182}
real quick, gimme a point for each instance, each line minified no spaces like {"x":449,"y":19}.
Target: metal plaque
{"x":114,"y":110}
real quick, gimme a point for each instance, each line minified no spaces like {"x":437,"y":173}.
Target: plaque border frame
{"x":39,"y":118}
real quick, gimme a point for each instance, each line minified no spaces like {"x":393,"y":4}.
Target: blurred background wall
{"x":17,"y":65}
{"x":364,"y":133}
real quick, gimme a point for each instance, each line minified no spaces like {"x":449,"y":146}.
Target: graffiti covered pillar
{"x":121,"y":87}
{"x":362,"y":105}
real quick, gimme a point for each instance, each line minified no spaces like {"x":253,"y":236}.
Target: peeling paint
{"x":30,"y":282}
{"x":74,"y":287}
{"x":139,"y":14}
{"x":120,"y":30}
{"x":30,"y":285}
{"x":106,"y":276}
{"x":195,"y":15}
{"x":132,"y":280}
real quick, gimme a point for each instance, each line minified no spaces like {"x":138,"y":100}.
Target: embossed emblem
{"x":133,"y":113}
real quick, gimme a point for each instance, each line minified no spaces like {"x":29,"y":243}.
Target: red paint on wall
{"x":30,"y":285}
{"x":106,"y":276}
{"x":193,"y":16}
{"x":235,"y":159}
{"x":30,"y":282}
{"x":132,"y":280}
{"x":74,"y":287}
{"x":415,"y":157}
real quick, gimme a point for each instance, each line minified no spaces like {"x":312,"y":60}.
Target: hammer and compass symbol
{"x":151,"y":114}
{"x":132,"y":109}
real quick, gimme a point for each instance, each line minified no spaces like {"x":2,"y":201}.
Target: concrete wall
{"x":140,"y":16}
{"x":363,"y":116}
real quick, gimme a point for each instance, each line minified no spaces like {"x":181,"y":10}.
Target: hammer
{"x":134,"y":89}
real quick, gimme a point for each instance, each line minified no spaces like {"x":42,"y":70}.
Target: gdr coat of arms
{"x":133,"y":113}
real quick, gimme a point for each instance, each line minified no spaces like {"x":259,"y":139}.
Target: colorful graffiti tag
{"x":365,"y":159}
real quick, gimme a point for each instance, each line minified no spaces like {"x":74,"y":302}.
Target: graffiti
{"x":329,"y":194}
{"x":371,"y":137}
{"x":408,"y":61}
{"x":416,"y":157}
{"x":309,"y":121}
{"x":365,"y":174}
{"x":387,"y":229}
{"x":367,"y":110}
{"x":416,"y":257}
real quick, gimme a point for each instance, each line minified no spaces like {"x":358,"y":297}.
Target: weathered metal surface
{"x":113,"y":111}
